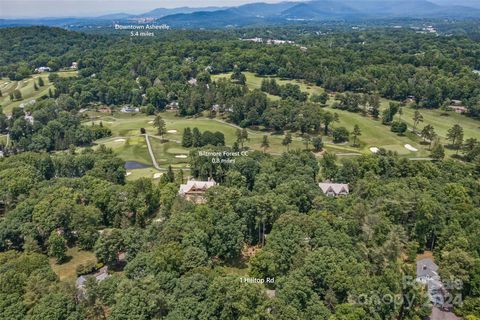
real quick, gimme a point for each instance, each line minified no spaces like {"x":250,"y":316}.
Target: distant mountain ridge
{"x":319,"y":10}
{"x":277,"y":13}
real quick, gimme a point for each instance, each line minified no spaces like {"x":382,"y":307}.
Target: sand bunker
{"x":128,"y":173}
{"x":181,"y":156}
{"x":409,"y":147}
{"x":172,"y":131}
{"x":120,"y":140}
{"x":150,"y":122}
{"x":374,"y":149}
{"x":157,"y":175}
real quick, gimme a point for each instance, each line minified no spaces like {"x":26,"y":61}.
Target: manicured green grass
{"x":129,"y":148}
{"x":255,"y":82}
{"x":166,"y":152}
{"x":374,"y":134}
{"x":142,"y":173}
{"x":67,"y":271}
{"x":442,"y":123}
{"x":26,"y":87}
{"x":129,"y":145}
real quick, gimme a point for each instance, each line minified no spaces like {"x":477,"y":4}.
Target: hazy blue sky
{"x":57,"y":8}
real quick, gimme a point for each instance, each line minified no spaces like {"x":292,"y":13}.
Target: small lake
{"x":132,"y":165}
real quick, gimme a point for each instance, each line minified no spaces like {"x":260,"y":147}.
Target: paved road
{"x":152,"y":155}
{"x":150,"y":151}
{"x":438,"y":314}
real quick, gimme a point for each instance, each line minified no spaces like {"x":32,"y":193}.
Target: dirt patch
{"x":250,"y":251}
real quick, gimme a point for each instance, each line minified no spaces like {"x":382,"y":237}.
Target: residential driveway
{"x":438,"y":314}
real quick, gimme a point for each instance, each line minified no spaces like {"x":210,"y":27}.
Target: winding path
{"x":150,"y":151}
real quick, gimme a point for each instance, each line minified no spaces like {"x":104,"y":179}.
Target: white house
{"x":129,"y":109}
{"x":43,"y":69}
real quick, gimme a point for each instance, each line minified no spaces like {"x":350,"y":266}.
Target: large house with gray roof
{"x":334,"y":189}
{"x":194,"y":190}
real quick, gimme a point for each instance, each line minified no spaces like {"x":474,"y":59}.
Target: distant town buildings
{"x":273,"y":41}
{"x":425,"y":29}
{"x":129,"y":109}
{"x":334,"y":189}
{"x":268,"y":41}
{"x":143,"y":20}
{"x":257,"y":40}
{"x":194,"y":190}
{"x":42,"y":69}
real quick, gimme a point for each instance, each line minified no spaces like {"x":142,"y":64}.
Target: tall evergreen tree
{"x":356,"y":133}
{"x":187,"y":138}
{"x":159,"y":123}
{"x":196,"y":138}
{"x":287,"y":140}
{"x":455,"y":134}
{"x":265,"y":144}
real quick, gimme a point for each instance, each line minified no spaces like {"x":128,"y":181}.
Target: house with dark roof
{"x":334,"y":189}
{"x":99,"y":276}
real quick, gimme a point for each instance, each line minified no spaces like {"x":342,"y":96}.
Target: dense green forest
{"x":323,"y":252}
{"x":118,"y":70}
{"x":344,"y":258}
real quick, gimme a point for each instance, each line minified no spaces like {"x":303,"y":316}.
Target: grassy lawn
{"x":169,"y":153}
{"x":374,"y":134}
{"x":255,"y":82}
{"x":131,"y":146}
{"x":26,"y":87}
{"x":67,"y":271}
{"x":143,"y":173}
{"x":442,"y":123}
